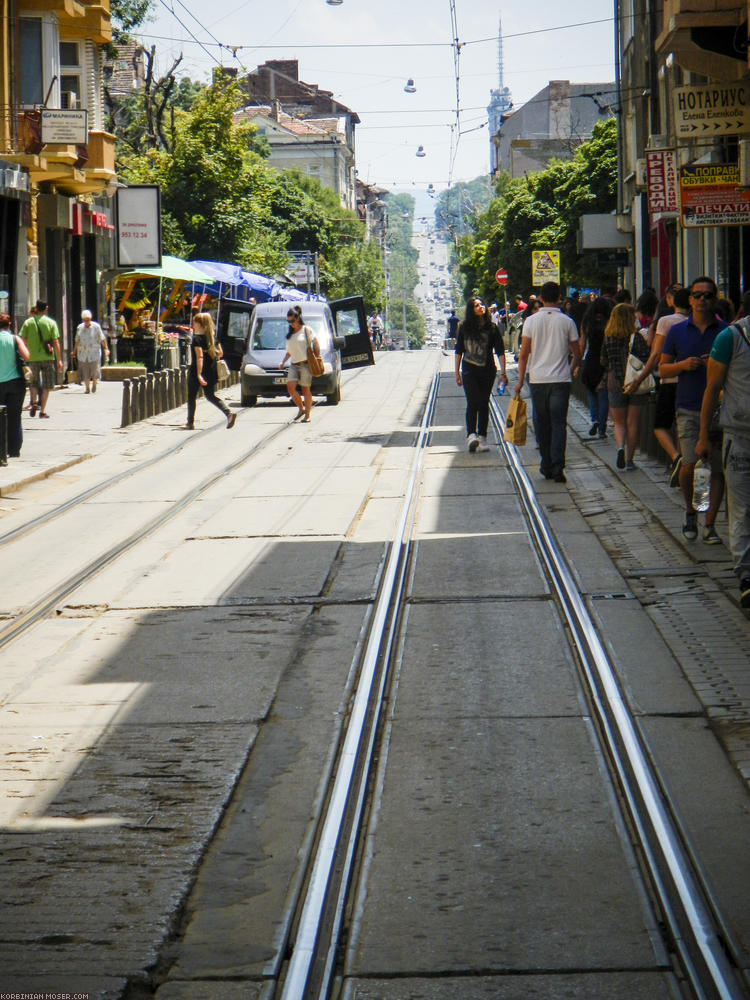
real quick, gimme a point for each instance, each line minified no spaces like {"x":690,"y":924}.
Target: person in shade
{"x":687,"y":347}
{"x":42,"y":338}
{"x":203,"y":372}
{"x":12,"y":383}
{"x":550,"y":349}
{"x":622,"y":337}
{"x":479,"y":339}
{"x":728,"y":373}
{"x":89,"y":344}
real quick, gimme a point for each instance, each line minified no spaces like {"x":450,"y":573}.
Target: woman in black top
{"x":592,"y":375}
{"x":478,"y":337}
{"x":203,"y":371}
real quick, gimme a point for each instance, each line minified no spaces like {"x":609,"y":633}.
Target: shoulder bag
{"x":633,"y":370}
{"x":47,"y":343}
{"x":222,"y":369}
{"x":24,"y":371}
{"x":314,"y":361}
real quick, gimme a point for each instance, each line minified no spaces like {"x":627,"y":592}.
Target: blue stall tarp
{"x":260,"y":287}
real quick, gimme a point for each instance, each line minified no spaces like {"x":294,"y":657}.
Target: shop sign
{"x":663,"y":186}
{"x":711,"y":110}
{"x":138,"y":226}
{"x":711,"y":196}
{"x":545,"y":266}
{"x":64,"y":127}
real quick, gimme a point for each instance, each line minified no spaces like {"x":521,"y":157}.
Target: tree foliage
{"x":126,"y":15}
{"x":403,"y":271}
{"x":542,"y":212}
{"x":220,"y":200}
{"x":458,"y":205}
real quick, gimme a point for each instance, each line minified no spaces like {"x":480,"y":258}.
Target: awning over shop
{"x":172,"y":268}
{"x":260,"y":287}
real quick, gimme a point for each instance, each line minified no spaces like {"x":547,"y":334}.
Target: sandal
{"x":44,"y":416}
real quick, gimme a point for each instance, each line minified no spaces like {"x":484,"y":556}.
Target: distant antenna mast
{"x":500,"y":102}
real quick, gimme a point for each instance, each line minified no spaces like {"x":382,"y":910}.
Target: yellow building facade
{"x":57,"y":161}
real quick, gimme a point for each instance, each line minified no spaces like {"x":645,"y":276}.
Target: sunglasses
{"x":702,"y":295}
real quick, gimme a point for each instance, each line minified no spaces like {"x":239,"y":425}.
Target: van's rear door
{"x":351,"y":323}
{"x":235,"y":319}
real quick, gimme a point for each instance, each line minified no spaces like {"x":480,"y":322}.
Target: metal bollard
{"x":126,"y":414}
{"x":3,"y":435}
{"x":161,"y":391}
{"x":150,"y":395}
{"x":134,"y":401}
{"x":142,"y":397}
{"x":183,"y":385}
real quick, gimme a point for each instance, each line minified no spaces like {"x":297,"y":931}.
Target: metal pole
{"x":403,"y":300}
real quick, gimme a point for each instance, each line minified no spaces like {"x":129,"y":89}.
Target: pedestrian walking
{"x":42,"y":338}
{"x":203,"y":372}
{"x":477,"y":341}
{"x":453,"y":326}
{"x":593,"y":374}
{"x":677,"y":309}
{"x":686,"y":351}
{"x":549,"y":340}
{"x":622,"y":337}
{"x":728,"y":373}
{"x":299,"y":337}
{"x":87,"y":348}
{"x":12,"y":383}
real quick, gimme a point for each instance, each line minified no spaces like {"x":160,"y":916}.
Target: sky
{"x":365,"y":51}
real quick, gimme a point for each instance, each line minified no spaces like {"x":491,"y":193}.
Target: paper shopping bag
{"x":515,"y":421}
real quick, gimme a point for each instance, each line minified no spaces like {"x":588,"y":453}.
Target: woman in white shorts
{"x":299,"y":372}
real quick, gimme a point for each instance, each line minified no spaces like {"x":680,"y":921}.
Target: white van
{"x":340,"y":328}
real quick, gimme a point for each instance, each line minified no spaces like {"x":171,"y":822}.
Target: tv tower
{"x":500,"y":102}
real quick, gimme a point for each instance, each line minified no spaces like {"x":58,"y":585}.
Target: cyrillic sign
{"x":663,"y":183}
{"x":711,"y":109}
{"x":711,"y":196}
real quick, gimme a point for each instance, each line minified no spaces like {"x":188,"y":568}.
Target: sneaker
{"x":745,"y":593}
{"x":231,"y":420}
{"x":620,"y":458}
{"x":630,"y":465}
{"x":709,"y":535}
{"x":473,"y":442}
{"x":593,"y":430}
{"x":602,"y":435}
{"x":690,"y":527}
{"x":674,"y":472}
{"x":482,"y":444}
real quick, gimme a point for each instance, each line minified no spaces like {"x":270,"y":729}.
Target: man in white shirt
{"x":549,"y":349}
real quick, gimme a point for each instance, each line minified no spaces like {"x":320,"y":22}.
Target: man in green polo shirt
{"x":43,"y":340}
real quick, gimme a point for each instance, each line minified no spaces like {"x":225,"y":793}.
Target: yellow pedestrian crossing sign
{"x":545,"y":266}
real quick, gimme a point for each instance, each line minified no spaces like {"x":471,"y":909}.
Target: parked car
{"x":340,"y":328}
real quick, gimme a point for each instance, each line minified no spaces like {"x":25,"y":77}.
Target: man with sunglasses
{"x":686,"y":350}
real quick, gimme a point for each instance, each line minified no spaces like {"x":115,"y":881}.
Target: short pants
{"x":300,"y":373}
{"x":688,"y":431}
{"x":44,"y":370}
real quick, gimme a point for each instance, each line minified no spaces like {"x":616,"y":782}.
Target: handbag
{"x":24,"y":371}
{"x":314,"y":361}
{"x":633,"y":369}
{"x":222,"y":369}
{"x":47,"y":343}
{"x":515,"y":422}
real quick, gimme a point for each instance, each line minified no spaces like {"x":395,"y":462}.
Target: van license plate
{"x":279,"y":381}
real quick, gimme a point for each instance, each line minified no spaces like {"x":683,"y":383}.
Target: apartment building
{"x":684,"y":115}
{"x":57,"y":161}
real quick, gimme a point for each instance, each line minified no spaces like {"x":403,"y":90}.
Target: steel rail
{"x":105,"y":484}
{"x":353,"y":765}
{"x":632,"y":765}
{"x":21,"y":623}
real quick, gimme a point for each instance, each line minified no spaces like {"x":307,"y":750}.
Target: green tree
{"x":540,"y":212}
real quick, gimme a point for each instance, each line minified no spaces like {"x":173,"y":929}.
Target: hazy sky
{"x":364,"y":52}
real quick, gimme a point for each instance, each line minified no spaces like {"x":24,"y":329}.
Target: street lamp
{"x":410,"y":88}
{"x":421,"y":152}
{"x":334,"y":3}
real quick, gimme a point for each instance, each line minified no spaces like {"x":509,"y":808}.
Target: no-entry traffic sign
{"x":501,"y":276}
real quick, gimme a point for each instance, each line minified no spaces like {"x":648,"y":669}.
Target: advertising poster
{"x":663,"y":185}
{"x":138,"y":226}
{"x":711,"y":196}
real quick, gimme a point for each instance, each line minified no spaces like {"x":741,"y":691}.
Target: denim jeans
{"x":478,"y":384}
{"x":599,"y":408}
{"x":550,"y":401}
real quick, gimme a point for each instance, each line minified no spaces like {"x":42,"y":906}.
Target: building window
{"x":71,"y":92}
{"x":38,"y":62}
{"x":30,"y":60}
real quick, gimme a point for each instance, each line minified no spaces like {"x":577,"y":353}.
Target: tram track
{"x":673,"y":875}
{"x":694,"y":926}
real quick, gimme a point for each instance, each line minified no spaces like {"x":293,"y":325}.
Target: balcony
{"x":87,"y":18}
{"x":82,"y":169}
{"x":708,"y":37}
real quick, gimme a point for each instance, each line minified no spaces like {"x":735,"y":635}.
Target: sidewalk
{"x":80,"y":427}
